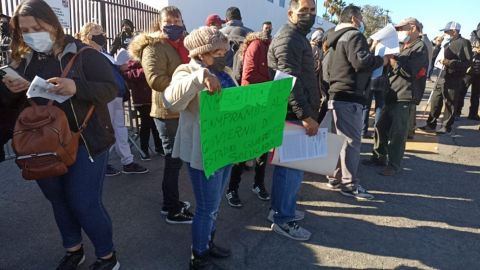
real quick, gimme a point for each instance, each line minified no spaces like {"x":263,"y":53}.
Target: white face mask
{"x":38,"y":41}
{"x":403,"y":36}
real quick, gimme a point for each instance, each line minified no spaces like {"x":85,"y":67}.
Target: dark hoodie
{"x":351,"y":64}
{"x":475,"y":37}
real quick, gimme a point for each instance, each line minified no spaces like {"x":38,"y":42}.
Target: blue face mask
{"x":173,"y":31}
{"x":361,"y":28}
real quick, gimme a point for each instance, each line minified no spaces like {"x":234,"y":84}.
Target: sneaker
{"x":164,"y":211}
{"x":292,"y":230}
{"x":182,"y":217}
{"x":111,"y":171}
{"x":428,"y":127}
{"x":299,"y":215}
{"x":106,"y":264}
{"x":146,"y":157}
{"x":160,"y":151}
{"x":72,"y":260}
{"x":134,"y":168}
{"x":359,"y":193}
{"x":233,"y":199}
{"x":261,"y":192}
{"x":443,"y":130}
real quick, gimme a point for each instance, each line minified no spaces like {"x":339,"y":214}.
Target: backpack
{"x":42,"y":140}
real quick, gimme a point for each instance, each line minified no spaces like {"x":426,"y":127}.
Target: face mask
{"x":403,"y":36}
{"x":361,"y":28}
{"x":173,"y":31}
{"x":218,"y":64}
{"x":306,"y":21}
{"x":38,"y":41}
{"x":99,"y":39}
{"x":447,"y":39}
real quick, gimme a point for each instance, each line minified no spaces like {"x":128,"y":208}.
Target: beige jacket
{"x":159,"y":60}
{"x":182,"y":95}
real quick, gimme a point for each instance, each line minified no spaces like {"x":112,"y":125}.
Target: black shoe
{"x":111,"y":171}
{"x":134,"y":168}
{"x":261,"y":192}
{"x":146,"y":157}
{"x":374,"y":161}
{"x":72,"y":260}
{"x":182,"y":217}
{"x":159,"y":151}
{"x":428,"y":127}
{"x":233,"y":199}
{"x":218,"y":252}
{"x":202,"y":262}
{"x":164,"y":211}
{"x":474,"y":117}
{"x":444,"y":130}
{"x":106,"y":264}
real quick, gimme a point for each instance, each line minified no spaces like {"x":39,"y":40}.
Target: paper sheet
{"x":298,"y":146}
{"x":439,"y":59}
{"x":39,"y":88}
{"x":380,"y":51}
{"x":388,"y":37}
{"x":282,"y":75}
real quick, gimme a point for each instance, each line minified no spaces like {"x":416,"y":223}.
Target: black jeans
{"x":445,"y":92}
{"x":147,"y":125}
{"x":475,"y":96}
{"x":237,"y":170}
{"x":167,"y":128}
{"x":460,"y":98}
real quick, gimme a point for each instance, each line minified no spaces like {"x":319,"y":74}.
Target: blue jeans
{"x":379,"y":101}
{"x":285,"y":185}
{"x":208,"y":195}
{"x":167,"y":129}
{"x":76,"y":198}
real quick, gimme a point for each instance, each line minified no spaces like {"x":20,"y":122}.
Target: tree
{"x":374,"y":18}
{"x":333,"y":8}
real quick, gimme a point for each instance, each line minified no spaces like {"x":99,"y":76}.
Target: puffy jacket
{"x":159,"y":61}
{"x":255,"y":65}
{"x":95,"y":85}
{"x":291,"y":53}
{"x":412,"y":65}
{"x":351,"y":66}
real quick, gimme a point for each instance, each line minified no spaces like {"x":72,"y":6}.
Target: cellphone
{"x":7,"y":71}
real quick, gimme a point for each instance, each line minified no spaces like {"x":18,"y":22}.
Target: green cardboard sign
{"x":242,"y":123}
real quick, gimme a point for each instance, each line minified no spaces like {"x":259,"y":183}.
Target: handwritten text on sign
{"x":242,"y":123}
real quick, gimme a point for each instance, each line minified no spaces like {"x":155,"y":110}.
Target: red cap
{"x":214,"y":19}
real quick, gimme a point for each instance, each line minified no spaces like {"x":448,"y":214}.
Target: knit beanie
{"x":205,"y":39}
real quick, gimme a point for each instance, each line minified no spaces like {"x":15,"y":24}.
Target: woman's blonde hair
{"x":40,"y":11}
{"x":86,"y":30}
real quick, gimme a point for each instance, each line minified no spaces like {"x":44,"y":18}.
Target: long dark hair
{"x":39,"y":10}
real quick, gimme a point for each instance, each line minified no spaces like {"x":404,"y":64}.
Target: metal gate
{"x":107,"y":13}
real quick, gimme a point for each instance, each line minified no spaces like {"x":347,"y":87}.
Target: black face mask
{"x":99,"y":39}
{"x":306,"y":21}
{"x":218,"y":64}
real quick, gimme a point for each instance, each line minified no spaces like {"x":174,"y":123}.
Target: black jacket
{"x":351,"y":65}
{"x":291,"y":53}
{"x":122,"y":40}
{"x":412,"y":65}
{"x":95,"y":85}
{"x":459,"y":52}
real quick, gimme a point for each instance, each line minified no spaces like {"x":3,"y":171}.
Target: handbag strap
{"x":64,"y":75}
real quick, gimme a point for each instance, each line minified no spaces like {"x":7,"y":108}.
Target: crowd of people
{"x":164,"y":70}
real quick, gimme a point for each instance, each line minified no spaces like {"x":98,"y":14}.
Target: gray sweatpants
{"x":347,"y":118}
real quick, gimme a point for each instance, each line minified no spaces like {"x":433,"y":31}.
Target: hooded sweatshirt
{"x":351,"y":64}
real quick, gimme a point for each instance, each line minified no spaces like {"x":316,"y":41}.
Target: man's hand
{"x":16,"y":85}
{"x":311,"y":126}
{"x":63,"y":86}
{"x":212,"y":83}
{"x":445,"y":62}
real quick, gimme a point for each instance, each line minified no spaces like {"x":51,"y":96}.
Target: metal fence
{"x":107,"y":13}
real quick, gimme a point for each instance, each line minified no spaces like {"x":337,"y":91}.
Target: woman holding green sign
{"x":207,"y":47}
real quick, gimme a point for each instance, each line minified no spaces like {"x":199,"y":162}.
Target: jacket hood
{"x":334,"y":36}
{"x":135,"y":49}
{"x":235,"y":23}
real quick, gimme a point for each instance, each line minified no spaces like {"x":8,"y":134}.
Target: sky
{"x":433,"y":14}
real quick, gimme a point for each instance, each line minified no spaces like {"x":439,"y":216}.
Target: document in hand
{"x":324,"y":165}
{"x":388,"y":37}
{"x":39,"y":88}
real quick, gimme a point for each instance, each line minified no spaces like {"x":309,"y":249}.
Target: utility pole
{"x":386,"y":17}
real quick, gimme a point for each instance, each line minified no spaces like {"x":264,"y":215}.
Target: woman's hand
{"x":63,"y":86}
{"x":16,"y":85}
{"x":212,"y":83}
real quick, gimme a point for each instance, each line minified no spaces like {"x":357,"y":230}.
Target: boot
{"x":216,"y":251}
{"x":202,"y":262}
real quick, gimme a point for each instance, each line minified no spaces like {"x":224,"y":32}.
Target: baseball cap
{"x":214,"y":19}
{"x":408,"y":20}
{"x":451,"y":26}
